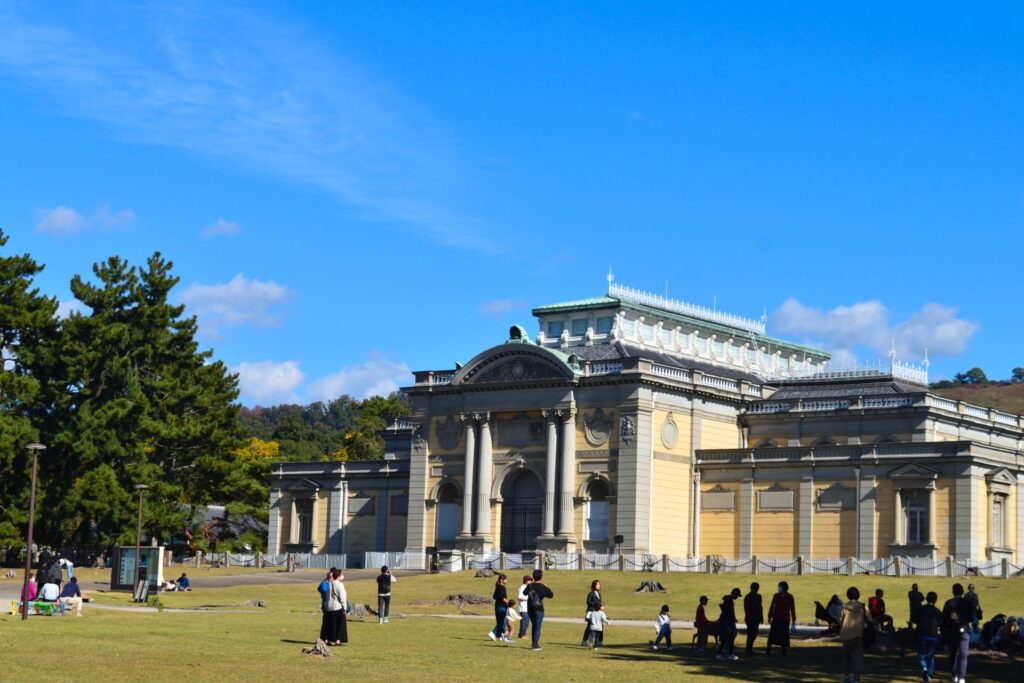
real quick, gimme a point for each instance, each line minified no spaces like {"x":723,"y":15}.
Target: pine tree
{"x":143,"y":405}
{"x":27,"y":327}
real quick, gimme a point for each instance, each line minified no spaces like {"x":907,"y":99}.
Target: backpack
{"x":534,"y":601}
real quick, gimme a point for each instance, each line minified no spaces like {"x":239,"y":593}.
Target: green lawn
{"x":264,"y":644}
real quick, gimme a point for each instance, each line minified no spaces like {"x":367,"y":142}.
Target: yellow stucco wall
{"x":670,"y":526}
{"x":1011,"y":523}
{"x":320,"y":519}
{"x":774,"y":533}
{"x":286,"y":520}
{"x":717,"y":433}
{"x":885,"y":520}
{"x":945,"y":522}
{"x":719,"y":531}
{"x":981,"y":518}
{"x":360,"y":530}
{"x":834,"y":533}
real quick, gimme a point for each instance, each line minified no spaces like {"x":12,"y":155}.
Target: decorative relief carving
{"x":520,"y":431}
{"x":597,"y":427}
{"x":627,"y":429}
{"x":611,"y":453}
{"x":669,"y":432}
{"x":718,"y":499}
{"x":775,"y":499}
{"x":518,"y":369}
{"x":449,"y":433}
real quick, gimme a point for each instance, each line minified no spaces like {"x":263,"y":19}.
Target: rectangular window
{"x":447,"y":521}
{"x":304,"y":520}
{"x":666,"y":337}
{"x":596,"y":528}
{"x":579,"y":327}
{"x":604,"y":324}
{"x":997,"y":522}
{"x":916,"y":519}
{"x":555,"y":328}
{"x":628,"y":327}
{"x":648,"y":332}
{"x":719,"y":349}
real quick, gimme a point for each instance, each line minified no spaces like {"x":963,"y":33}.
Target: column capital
{"x":549,"y":413}
{"x":567,"y":413}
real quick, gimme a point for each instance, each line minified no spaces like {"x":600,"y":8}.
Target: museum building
{"x":643,"y":424}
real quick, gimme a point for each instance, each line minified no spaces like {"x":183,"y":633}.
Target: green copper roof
{"x":578,"y":305}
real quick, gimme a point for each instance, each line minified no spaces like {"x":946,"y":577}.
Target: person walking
{"x":781,"y":614}
{"x":727,"y":625}
{"x":597,"y":619}
{"x":663,"y":628}
{"x":524,"y":622}
{"x":593,"y":598}
{"x":700,"y":622}
{"x":852,"y":621}
{"x":500,"y":597}
{"x":753,"y":615}
{"x":972,"y":597}
{"x":927,"y":622}
{"x":957,"y":616}
{"x":916,"y":600}
{"x":535,"y":595}
{"x":384,"y":581}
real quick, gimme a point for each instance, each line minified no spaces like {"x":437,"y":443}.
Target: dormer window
{"x":604,"y":324}
{"x":579,"y":327}
{"x":555,"y":328}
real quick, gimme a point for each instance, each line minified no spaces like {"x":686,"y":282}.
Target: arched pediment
{"x":517,"y":362}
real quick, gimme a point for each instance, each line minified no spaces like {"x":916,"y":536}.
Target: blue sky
{"x":353,"y":190}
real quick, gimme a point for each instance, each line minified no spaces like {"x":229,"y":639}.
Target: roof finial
{"x":610,"y":276}
{"x":892,"y":355}
{"x":926,"y":361}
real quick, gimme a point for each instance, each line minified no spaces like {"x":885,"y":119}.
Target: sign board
{"x":151,"y":569}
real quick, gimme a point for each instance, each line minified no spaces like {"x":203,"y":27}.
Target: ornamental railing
{"x":637,"y":296}
{"x":670,"y":372}
{"x":604,"y":369}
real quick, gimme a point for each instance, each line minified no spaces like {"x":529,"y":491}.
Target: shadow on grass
{"x":818,"y":664}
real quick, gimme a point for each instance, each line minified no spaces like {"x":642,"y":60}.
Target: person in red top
{"x":701,"y":624}
{"x":876,"y":605}
{"x":781,"y":614}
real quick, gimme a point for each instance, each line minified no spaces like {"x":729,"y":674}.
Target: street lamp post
{"x":136,"y":593}
{"x":35,"y":448}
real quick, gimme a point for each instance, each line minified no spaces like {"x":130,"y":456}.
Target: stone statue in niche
{"x":449,"y":433}
{"x":520,"y":431}
{"x":627,"y":429}
{"x":669,"y":432}
{"x":597,"y":427}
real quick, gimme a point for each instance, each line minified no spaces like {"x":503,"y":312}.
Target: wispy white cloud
{"x":378,"y":376}
{"x":240,"y":301}
{"x":268,"y":382}
{"x":869,"y":326}
{"x":500,"y":307}
{"x":225,"y":81}
{"x":65,"y":221}
{"x":66,"y":307}
{"x":221,"y":228}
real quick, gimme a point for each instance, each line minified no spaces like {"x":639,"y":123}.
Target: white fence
{"x":627,"y":562}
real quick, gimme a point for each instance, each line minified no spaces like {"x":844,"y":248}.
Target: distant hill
{"x":1002,"y":396}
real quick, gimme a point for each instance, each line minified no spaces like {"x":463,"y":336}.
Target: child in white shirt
{"x":597,"y":619}
{"x":663,"y":627}
{"x":511,"y":617}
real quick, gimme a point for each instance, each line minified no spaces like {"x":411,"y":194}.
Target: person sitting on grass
{"x":31,"y":592}
{"x":184,"y":584}
{"x":663,"y":628}
{"x":71,"y":596}
{"x":877,"y":607}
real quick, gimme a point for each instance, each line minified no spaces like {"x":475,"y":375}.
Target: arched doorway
{"x":522,"y":512}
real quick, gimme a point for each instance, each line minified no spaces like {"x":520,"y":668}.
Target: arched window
{"x":447,"y":512}
{"x":766,"y":443}
{"x":825,"y":443}
{"x":596,"y":511}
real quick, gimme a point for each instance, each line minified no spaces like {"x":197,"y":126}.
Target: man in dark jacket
{"x":753,"y":615}
{"x":957,"y":616}
{"x":535,"y":594}
{"x":916,"y":599}
{"x":927,"y":619}
{"x":384,"y":581}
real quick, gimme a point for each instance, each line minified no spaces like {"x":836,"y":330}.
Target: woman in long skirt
{"x":341,"y":632}
{"x":333,"y":630}
{"x":781,"y":614}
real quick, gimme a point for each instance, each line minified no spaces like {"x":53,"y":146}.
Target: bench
{"x":38,"y":607}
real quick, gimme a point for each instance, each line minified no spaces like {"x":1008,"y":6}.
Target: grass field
{"x":263,"y":643}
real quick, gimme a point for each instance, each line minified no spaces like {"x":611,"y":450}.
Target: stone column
{"x":549,"y":481}
{"x":899,"y":536}
{"x":274,"y":523}
{"x":866,"y":521}
{"x":467,"y":487}
{"x":931,"y":516}
{"x":806,"y":516}
{"x":966,"y":502}
{"x":486,"y":474}
{"x":335,"y":522}
{"x":746,"y":513}
{"x":566,"y":526}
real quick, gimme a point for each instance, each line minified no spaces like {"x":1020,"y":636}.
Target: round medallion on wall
{"x":669,"y":432}
{"x":518,"y":370}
